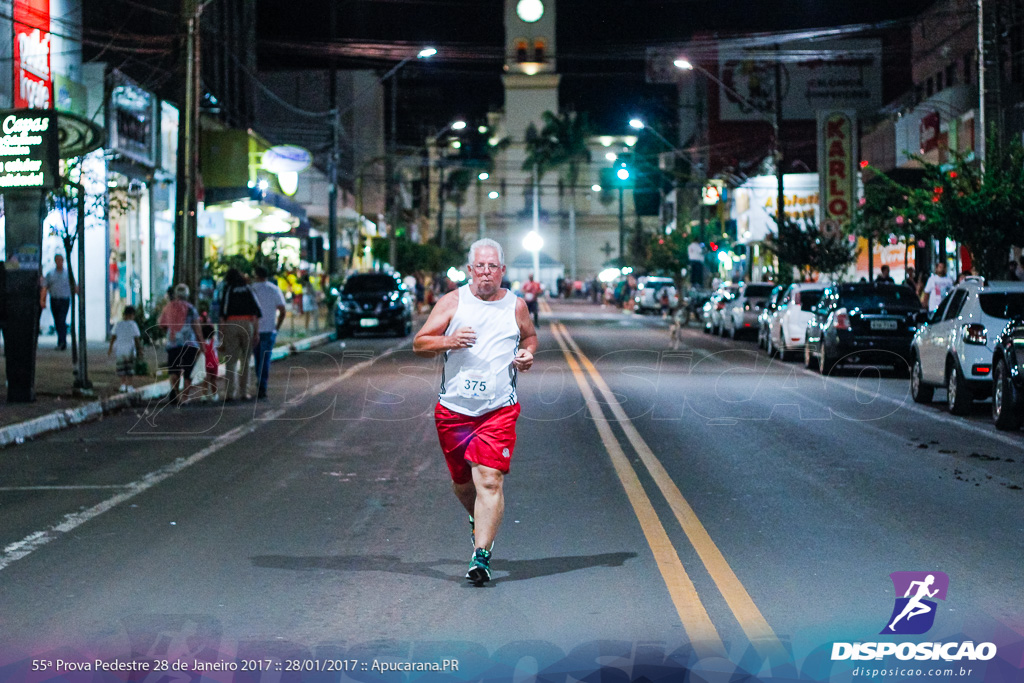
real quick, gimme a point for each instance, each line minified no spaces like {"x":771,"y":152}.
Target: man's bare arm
{"x":432,"y":340}
{"x":527,"y":337}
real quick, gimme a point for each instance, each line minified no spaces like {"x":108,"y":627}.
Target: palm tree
{"x":562,"y":142}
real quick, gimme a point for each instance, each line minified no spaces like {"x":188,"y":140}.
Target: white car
{"x":648,"y":293}
{"x":788,"y":326}
{"x":740,"y":314}
{"x":953,"y":349}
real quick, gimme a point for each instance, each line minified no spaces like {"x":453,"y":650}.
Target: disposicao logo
{"x":914,"y":613}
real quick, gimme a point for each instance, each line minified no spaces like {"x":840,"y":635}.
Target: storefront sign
{"x":132,"y":124}
{"x":33,"y":86}
{"x":836,"y":147}
{"x":713,"y":192}
{"x":28,"y":150}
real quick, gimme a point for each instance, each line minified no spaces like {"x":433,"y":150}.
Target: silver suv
{"x":953,"y":349}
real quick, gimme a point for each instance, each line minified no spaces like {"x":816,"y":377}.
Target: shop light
{"x":630,"y":140}
{"x":273,"y":224}
{"x":609,"y":274}
{"x":493,"y":194}
{"x":289,"y":182}
{"x":484,"y":176}
{"x":606,"y":140}
{"x":241,"y":211}
{"x":456,"y":275}
{"x":595,"y":187}
{"x":611,"y":156}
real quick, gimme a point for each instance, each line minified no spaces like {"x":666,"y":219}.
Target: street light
{"x":686,"y":65}
{"x":457,"y":124}
{"x":390,"y":171}
{"x":533,"y":243}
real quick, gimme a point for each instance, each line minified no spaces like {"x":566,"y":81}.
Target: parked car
{"x":789,"y":322}
{"x":648,"y":294}
{"x":864,"y":322}
{"x":765,"y":317}
{"x":741,"y":312}
{"x":1008,"y":376}
{"x":373,"y":302}
{"x":711,"y":313}
{"x":954,"y":349}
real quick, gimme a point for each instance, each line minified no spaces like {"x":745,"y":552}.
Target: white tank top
{"x":482,"y":378}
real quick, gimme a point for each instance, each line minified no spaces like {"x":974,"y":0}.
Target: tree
{"x":64,"y":202}
{"x":563,"y":143}
{"x":983,"y":209}
{"x":666,"y":254}
{"x":802,"y":245}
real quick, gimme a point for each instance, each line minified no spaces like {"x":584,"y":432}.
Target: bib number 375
{"x":476,"y":385}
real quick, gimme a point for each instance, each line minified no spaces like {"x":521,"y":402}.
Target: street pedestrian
{"x":126,"y":341}
{"x":181,"y":320}
{"x":239,"y":317}
{"x":211,"y":361}
{"x":487,"y":337}
{"x":531,"y":293}
{"x":57,"y":284}
{"x":883,"y":278}
{"x":936,"y":287}
{"x":270,"y":299}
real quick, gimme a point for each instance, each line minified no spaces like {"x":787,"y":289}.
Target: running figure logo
{"x":914,"y":613}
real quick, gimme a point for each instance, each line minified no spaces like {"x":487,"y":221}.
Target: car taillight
{"x":842,"y":319}
{"x":975,"y":333}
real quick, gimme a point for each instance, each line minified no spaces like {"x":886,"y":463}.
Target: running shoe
{"x":480,"y":567}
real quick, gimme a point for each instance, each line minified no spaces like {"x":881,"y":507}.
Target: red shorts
{"x":488,"y":439}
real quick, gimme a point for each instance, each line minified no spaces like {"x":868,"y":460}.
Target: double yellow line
{"x":695,"y":619}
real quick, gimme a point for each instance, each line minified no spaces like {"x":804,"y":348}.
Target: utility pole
{"x":334,"y":160}
{"x":186,"y":257}
{"x":392,"y":173}
{"x":780,"y":213}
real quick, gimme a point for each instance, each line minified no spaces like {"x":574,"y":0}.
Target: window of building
{"x":938,"y":82}
{"x":950,"y":75}
{"x":539,"y":50}
{"x":521,"y":50}
{"x":968,"y":67}
{"x":929,"y":88}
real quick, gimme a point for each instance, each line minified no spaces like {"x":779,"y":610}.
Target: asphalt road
{"x":697,"y":508}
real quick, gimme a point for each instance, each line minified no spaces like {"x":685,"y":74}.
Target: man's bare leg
{"x":466,"y":493}
{"x":489,"y":508}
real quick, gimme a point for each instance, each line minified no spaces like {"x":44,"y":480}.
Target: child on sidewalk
{"x":212,"y":361}
{"x":126,"y":341}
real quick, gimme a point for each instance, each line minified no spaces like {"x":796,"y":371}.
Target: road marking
{"x":64,"y":488}
{"x":26,"y":546}
{"x":753,"y":623}
{"x":694,"y":617}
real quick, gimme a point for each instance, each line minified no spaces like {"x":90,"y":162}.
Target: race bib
{"x":475,"y":384}
{"x":529,"y":296}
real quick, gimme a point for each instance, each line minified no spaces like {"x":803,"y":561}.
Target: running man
{"x":914,"y":606}
{"x":487,"y":338}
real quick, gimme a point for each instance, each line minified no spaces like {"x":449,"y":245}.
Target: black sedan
{"x":863,"y":323}
{"x":1008,"y":377}
{"x":373,"y":302}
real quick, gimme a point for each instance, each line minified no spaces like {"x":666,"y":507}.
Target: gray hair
{"x":181,"y":291}
{"x":486,"y":242}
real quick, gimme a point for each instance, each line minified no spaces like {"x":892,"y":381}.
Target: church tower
{"x":531,"y":78}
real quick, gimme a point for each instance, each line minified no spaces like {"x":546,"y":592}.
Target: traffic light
{"x":622,"y":173}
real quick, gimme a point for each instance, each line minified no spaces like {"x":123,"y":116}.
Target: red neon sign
{"x":33,"y":82}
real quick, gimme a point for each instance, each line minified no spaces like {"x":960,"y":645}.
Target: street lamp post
{"x":391,"y":180}
{"x":639,"y":124}
{"x":775,"y":121}
{"x":457,"y":124}
{"x":481,"y":227}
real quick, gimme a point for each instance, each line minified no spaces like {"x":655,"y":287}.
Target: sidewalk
{"x":56,"y":406}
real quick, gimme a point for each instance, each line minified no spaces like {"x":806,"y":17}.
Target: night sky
{"x":601,"y":45}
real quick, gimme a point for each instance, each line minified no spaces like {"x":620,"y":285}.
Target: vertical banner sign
{"x":33,"y":85}
{"x":836,"y":151}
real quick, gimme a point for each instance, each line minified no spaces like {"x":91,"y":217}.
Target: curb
{"x":95,"y":410}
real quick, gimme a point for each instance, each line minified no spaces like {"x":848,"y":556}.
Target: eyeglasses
{"x":486,"y":267}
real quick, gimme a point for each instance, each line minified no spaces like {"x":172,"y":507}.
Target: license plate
{"x":369,"y":322}
{"x":883,"y":324}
